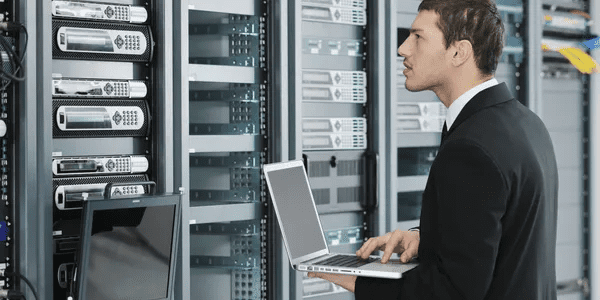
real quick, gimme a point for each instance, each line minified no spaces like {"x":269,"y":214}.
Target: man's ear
{"x":462,"y":51}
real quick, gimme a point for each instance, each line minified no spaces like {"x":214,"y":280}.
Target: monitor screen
{"x":296,"y":210}
{"x":127,"y":252}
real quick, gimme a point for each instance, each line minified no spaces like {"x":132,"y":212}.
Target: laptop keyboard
{"x":350,"y":261}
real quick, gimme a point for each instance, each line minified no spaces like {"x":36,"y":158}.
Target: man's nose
{"x":403,"y":49}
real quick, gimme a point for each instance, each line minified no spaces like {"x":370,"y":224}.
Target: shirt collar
{"x":460,"y":103}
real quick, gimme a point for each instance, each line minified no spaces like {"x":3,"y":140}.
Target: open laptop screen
{"x":298,"y":216}
{"x":127,"y":249}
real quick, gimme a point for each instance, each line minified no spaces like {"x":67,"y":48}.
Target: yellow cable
{"x":581,"y":60}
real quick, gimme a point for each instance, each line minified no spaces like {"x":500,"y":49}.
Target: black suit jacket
{"x":488,"y":220}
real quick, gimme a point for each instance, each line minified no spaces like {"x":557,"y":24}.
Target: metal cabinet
{"x":221,"y":109}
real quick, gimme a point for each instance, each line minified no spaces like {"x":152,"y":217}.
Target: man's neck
{"x":456,"y":87}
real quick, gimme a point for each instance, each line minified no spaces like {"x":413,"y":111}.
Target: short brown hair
{"x":476,"y":21}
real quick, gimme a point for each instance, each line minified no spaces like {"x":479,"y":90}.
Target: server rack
{"x":336,"y":99}
{"x":33,"y":176}
{"x":222,"y":108}
{"x":102,"y":113}
{"x":62,"y":76}
{"x":563,"y":105}
{"x":9,"y":227}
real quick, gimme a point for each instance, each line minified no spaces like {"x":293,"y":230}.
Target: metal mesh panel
{"x":349,"y":167}
{"x":349,"y":194}
{"x":318,"y":169}
{"x":321,"y":196}
{"x":246,"y":285}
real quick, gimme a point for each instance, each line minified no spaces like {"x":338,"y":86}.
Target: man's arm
{"x":471,"y":196}
{"x":463,"y":210}
{"x":345,"y":281}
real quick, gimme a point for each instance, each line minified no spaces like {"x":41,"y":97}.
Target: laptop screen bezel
{"x":89,"y":207}
{"x":287,"y":165}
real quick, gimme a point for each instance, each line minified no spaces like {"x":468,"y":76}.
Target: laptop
{"x":302,"y":231}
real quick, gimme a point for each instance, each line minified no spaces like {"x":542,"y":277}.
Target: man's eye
{"x":418,"y":36}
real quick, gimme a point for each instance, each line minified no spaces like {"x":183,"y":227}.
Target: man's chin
{"x":413,"y":88}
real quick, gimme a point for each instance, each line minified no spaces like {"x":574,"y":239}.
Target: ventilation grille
{"x":349,"y":194}
{"x":319,"y":169}
{"x":321,"y":196}
{"x":349,"y":167}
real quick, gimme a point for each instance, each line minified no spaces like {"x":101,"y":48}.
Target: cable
{"x":13,"y":58}
{"x":10,"y":294}
{"x":26,"y":281}
{"x":10,"y":53}
{"x":16,"y":62}
{"x":13,"y":55}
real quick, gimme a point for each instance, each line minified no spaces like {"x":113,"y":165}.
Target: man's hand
{"x":345,"y":281}
{"x":405,"y":243}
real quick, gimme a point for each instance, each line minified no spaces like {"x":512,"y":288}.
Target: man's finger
{"x":410,"y":252}
{"x":362,"y":248}
{"x":368,"y":247}
{"x":394,"y":241}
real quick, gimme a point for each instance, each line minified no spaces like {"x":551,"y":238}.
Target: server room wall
{"x":217,"y":89}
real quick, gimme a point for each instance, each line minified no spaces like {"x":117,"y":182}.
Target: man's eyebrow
{"x":413,"y":30}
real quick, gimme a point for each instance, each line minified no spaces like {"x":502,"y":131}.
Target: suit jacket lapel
{"x":488,"y":97}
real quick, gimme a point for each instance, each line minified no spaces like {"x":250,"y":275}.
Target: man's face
{"x":425,"y":57}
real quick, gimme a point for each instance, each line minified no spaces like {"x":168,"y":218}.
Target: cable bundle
{"x":11,"y":56}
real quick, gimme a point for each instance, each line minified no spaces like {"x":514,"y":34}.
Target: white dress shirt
{"x":460,"y":103}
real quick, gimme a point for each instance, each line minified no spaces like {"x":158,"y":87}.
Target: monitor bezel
{"x":89,"y":207}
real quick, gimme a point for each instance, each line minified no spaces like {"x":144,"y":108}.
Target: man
{"x":488,"y":219}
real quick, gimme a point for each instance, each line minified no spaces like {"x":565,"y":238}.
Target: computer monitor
{"x":128,"y":248}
